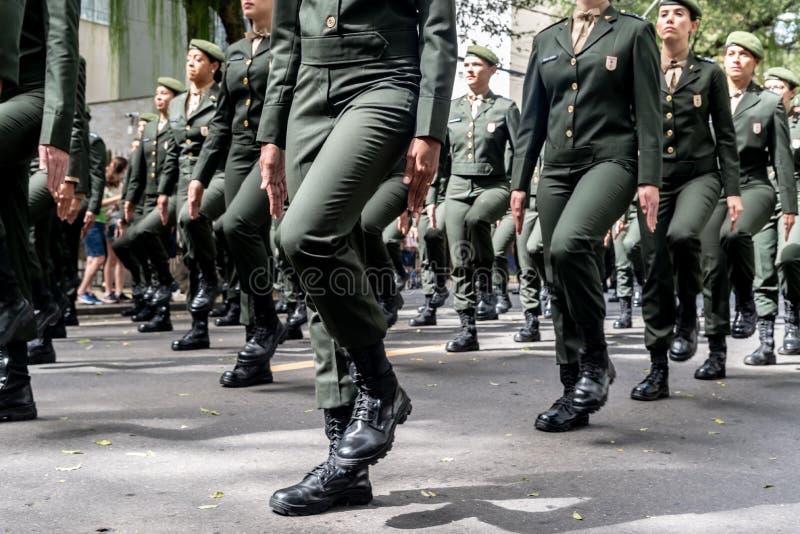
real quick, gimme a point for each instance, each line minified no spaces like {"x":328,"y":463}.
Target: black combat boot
{"x":299,"y":316}
{"x":561,"y":416}
{"x":597,"y":373}
{"x":162,"y":295}
{"x":58,"y":330}
{"x":139,"y":303}
{"x":791,"y":340}
{"x":381,"y":405}
{"x":625,"y":319}
{"x":41,"y":351}
{"x":207,"y":291}
{"x":327,"y":485}
{"x":637,"y":298}
{"x":283,"y":306}
{"x":15,"y":313}
{"x":684,"y":344}
{"x":16,"y":397}
{"x":390,"y":306}
{"x":426,"y":317}
{"x":714,"y":366}
{"x":252,"y":362}
{"x":765,"y":353}
{"x":744,"y":323}
{"x":231,"y":315}
{"x":159,"y":323}
{"x":71,"y":315}
{"x":530,"y":332}
{"x":439,"y":297}
{"x":467,"y":338}
{"x":46,"y":315}
{"x":486,"y":309}
{"x":544,"y":298}
{"x":197,"y":337}
{"x":503,"y":300}
{"x":656,"y":384}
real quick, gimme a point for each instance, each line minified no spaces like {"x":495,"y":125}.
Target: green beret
{"x":692,"y":5}
{"x":483,"y":53}
{"x":747,"y":41}
{"x":783,"y":74}
{"x":148,"y":117}
{"x":176,"y":86}
{"x":209,"y":48}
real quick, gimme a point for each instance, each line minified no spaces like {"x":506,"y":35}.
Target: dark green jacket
{"x":601,"y":104}
{"x":79,"y":138}
{"x":39,"y":47}
{"x":357,"y":33}
{"x":241,"y":100}
{"x":149,"y":164}
{"x":700,"y":102}
{"x":98,"y":160}
{"x":188,"y":135}
{"x":437,"y":192}
{"x":762,"y":136}
{"x":484,"y":145}
{"x":794,"y":132}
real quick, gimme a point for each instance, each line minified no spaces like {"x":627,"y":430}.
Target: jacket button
{"x":246,"y":123}
{"x":153,"y":164}
{"x":469,"y":145}
{"x":670,"y":150}
{"x":573,"y":61}
{"x":669,"y":133}
{"x":570,"y":109}
{"x":668,"y":116}
{"x":469,"y":156}
{"x":248,"y":61}
{"x":153,"y":174}
{"x":574,"y":86}
{"x":190,"y":154}
{"x":247,"y":102}
{"x":188,"y":141}
{"x":245,"y":80}
{"x":569,"y":133}
{"x":330,"y":22}
{"x":669,"y":98}
{"x":188,"y":127}
{"x":153,"y":153}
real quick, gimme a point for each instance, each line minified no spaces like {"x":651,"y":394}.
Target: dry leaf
{"x":428,"y":494}
{"x":125,"y":344}
{"x":493,"y":384}
{"x":212,"y":412}
{"x":767,"y":486}
{"x":447,"y":460}
{"x":84,"y":341}
{"x":207,"y":506}
{"x":217,"y":495}
{"x":183,"y":427}
{"x":103,"y":443}
{"x":147,"y":454}
{"x":73,"y":468}
{"x":72,"y":452}
{"x":534,"y":494}
{"x":307,"y":411}
{"x":643,"y":429}
{"x":577,"y":516}
{"x":718,"y":421}
{"x":773,"y":458}
{"x":712,"y":433}
{"x":184,"y":394}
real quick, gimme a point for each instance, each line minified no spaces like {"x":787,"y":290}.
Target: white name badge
{"x":611,"y":62}
{"x":491,"y":127}
{"x":698,"y":100}
{"x":757,"y":128}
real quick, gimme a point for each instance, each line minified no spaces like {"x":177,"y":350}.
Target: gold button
{"x":153,"y":164}
{"x":190,"y":154}
{"x":668,"y":116}
{"x":573,"y":61}
{"x":246,"y":123}
{"x":570,"y":109}
{"x":569,"y":133}
{"x":152,"y":174}
{"x":669,"y":133}
{"x":245,"y":80}
{"x":155,"y":143}
{"x":469,"y":145}
{"x":574,"y":86}
{"x":330,"y":22}
{"x":669,"y":98}
{"x":188,"y":141}
{"x":472,"y":125}
{"x":469,"y":156}
{"x":247,"y":102}
{"x":670,"y":150}
{"x":469,"y":134}
{"x":187,"y":127}
{"x":153,"y":153}
{"x":248,"y":61}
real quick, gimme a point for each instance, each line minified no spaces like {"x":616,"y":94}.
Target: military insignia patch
{"x":491,"y":127}
{"x":756,"y":128}
{"x":795,"y":144}
{"x":204,"y":131}
{"x":611,"y":62}
{"x":698,"y":100}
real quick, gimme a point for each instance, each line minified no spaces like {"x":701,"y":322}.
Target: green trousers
{"x":777,"y":265}
{"x":728,"y":257}
{"x":503,"y":236}
{"x":473,"y":205}
{"x":627,"y":252}
{"x":789,"y":262}
{"x":143,"y":240}
{"x":377,"y":218}
{"x":433,"y":251}
{"x":530,"y":257}
{"x":43,"y":220}
{"x":672,"y":254}
{"x":576,"y":208}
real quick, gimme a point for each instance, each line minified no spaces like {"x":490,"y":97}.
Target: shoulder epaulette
{"x":707,"y":59}
{"x":634,"y":15}
{"x":556,"y":23}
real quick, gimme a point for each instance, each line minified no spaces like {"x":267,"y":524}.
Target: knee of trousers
{"x":790,"y":254}
{"x":730,"y":240}
{"x":237,"y":229}
{"x":473,"y":221}
{"x":304,"y":248}
{"x":568,"y":252}
{"x":680,"y":239}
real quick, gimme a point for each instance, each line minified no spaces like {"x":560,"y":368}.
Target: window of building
{"x":98,"y":11}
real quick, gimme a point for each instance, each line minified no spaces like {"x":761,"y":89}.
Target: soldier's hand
{"x":788,"y":223}
{"x":518,"y":198}
{"x":430,"y":210}
{"x":54,"y":161}
{"x":607,"y":239}
{"x":88,"y":221}
{"x":119,"y":230}
{"x":63,"y":198}
{"x":422,"y":162}
{"x":618,"y":228}
{"x":128,"y":211}
{"x":75,"y":208}
{"x":195,"y":198}
{"x":648,"y":203}
{"x":273,"y":177}
{"x":735,"y":209}
{"x":163,"y":209}
{"x":402,"y":223}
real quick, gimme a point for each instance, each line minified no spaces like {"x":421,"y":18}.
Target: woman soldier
{"x":762,"y":135}
{"x":694,"y":99}
{"x":591,"y":96}
{"x":246,"y":222}
{"x":353,"y":86}
{"x":189,"y":116}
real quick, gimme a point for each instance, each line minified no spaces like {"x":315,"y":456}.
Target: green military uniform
{"x":38,"y":67}
{"x":530,"y":257}
{"x":597,"y":111}
{"x":789,"y":255}
{"x":627,"y":254}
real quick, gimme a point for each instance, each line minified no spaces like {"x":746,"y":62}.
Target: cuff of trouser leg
{"x":334,"y":395}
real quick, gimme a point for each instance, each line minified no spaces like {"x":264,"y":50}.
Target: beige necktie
{"x":735,"y":99}
{"x":194,"y":102}
{"x":583,"y":22}
{"x":672,"y":73}
{"x":475,"y":103}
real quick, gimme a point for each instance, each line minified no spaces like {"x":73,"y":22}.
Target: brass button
{"x":153,"y":153}
{"x":330,"y":22}
{"x":188,"y":141}
{"x":573,"y":61}
{"x":245,"y":80}
{"x":155,"y":143}
{"x":469,"y":134}
{"x":246,"y":123}
{"x":469,"y":156}
{"x":569,"y":133}
{"x":248,"y":61}
{"x":153,"y":174}
{"x":472,"y":125}
{"x":469,"y":145}
{"x":247,"y":102}
{"x":669,"y":133}
{"x":153,"y":164}
{"x":189,"y":154}
{"x":670,"y":150}
{"x":574,"y":86}
{"x":188,"y":127}
{"x":668,"y":116}
{"x":669,"y":98}
{"x":570,"y":109}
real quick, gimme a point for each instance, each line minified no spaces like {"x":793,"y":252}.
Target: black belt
{"x":689,"y":169}
{"x":586,"y":155}
{"x":361,"y":47}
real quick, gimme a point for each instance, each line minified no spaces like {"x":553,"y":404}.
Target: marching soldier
{"x":591,"y":95}
{"x":626,"y":240}
{"x":762,"y":137}
{"x":773,"y":251}
{"x":482,"y":133}
{"x":697,"y":164}
{"x":352,"y":96}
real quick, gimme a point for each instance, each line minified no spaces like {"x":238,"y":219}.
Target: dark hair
{"x":118,"y":164}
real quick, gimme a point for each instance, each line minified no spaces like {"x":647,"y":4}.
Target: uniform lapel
{"x":487,"y":104}
{"x":602,"y":27}
{"x":564,"y":37}
{"x":690,"y":73}
{"x":262,"y":47}
{"x":751,"y":98}
{"x":209,"y":99}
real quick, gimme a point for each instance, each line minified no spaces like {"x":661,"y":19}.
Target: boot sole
{"x":532,"y":339}
{"x":784,"y":352}
{"x":21,"y":413}
{"x":195,"y":347}
{"x":717,"y":377}
{"x":230,"y":384}
{"x":154,"y":330}
{"x":579,"y":422}
{"x":347,"y":498}
{"x":682,"y":357}
{"x":403,"y":413}
{"x":640,"y":397}
{"x":412,"y":323}
{"x":474,"y":348}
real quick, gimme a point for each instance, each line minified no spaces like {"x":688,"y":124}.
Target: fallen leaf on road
{"x":723,"y":384}
{"x":71,"y":452}
{"x":73,"y":468}
{"x":447,"y":460}
{"x":767,"y":486}
{"x":184,"y":394}
{"x":99,"y":373}
{"x":147,"y":454}
{"x":217,"y":495}
{"x":103,"y":443}
{"x":417,"y":360}
{"x":620,"y":450}
{"x":307,"y":411}
{"x":493,"y":384}
{"x":125,"y":343}
{"x":712,"y":433}
{"x":84,"y":341}
{"x":89,"y":347}
{"x":718,"y":421}
{"x":534,"y":494}
{"x":509,"y":435}
{"x":643,"y":429}
{"x":212,"y":412}
{"x":773,"y":458}
{"x":183,"y":427}
{"x":577,"y":516}
{"x":432,"y":385}
{"x":428,"y":494}
{"x":207,"y":506}
{"x":64,"y":418}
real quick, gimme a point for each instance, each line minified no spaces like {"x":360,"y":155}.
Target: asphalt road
{"x":715,"y":457}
